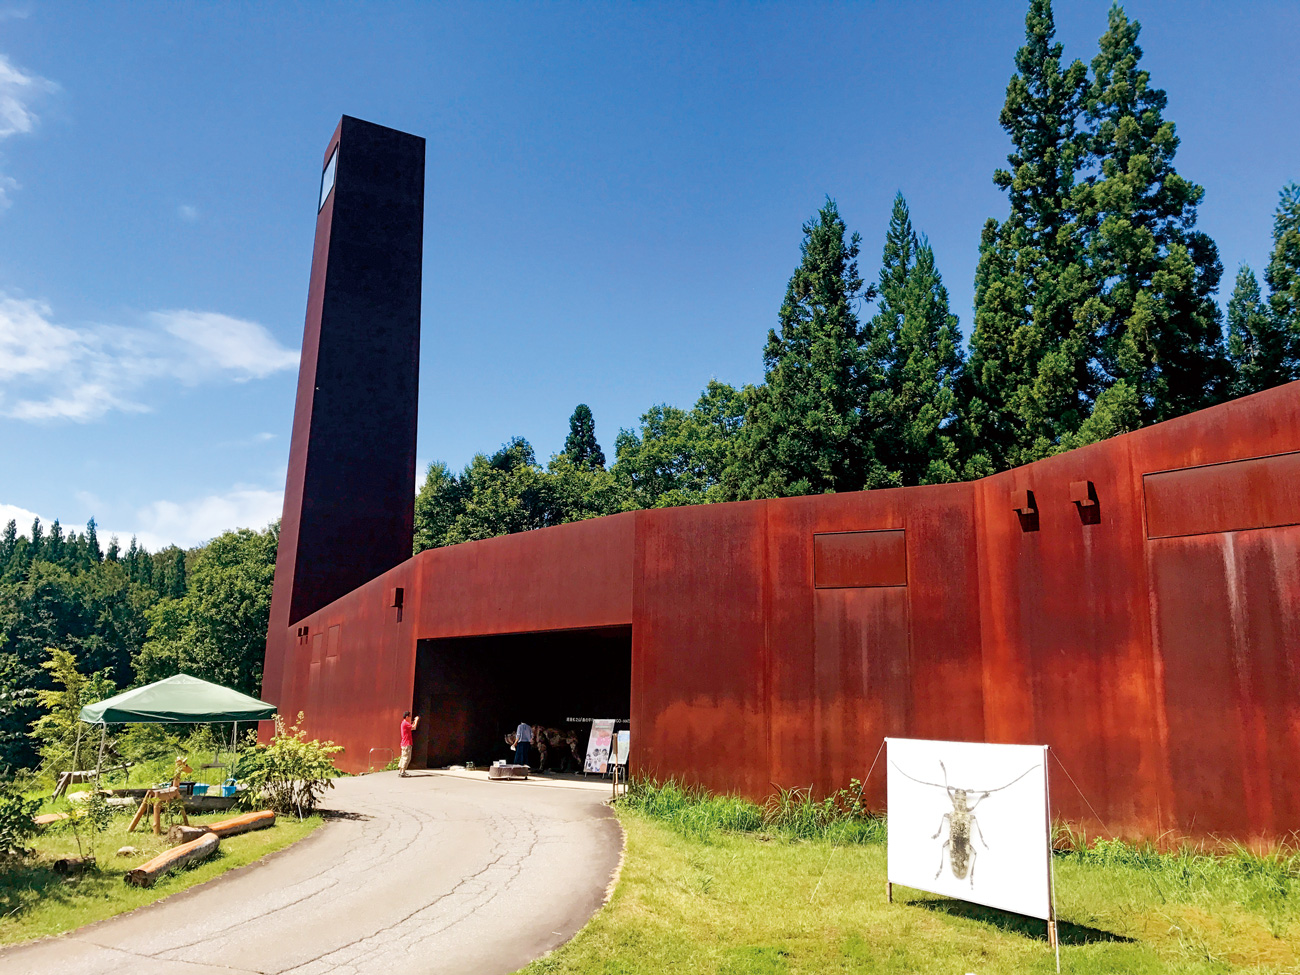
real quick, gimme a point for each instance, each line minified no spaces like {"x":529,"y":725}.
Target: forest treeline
{"x":1096,"y":313}
{"x":123,"y":618}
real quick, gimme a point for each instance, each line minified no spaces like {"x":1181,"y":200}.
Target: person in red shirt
{"x":408,"y":727}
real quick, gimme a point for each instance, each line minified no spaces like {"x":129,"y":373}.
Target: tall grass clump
{"x":1268,"y":883}
{"x":789,"y":813}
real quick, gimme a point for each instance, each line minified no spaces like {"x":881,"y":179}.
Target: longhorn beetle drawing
{"x":961,"y":852}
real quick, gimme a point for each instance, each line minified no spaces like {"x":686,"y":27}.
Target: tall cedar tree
{"x":913,"y":362}
{"x":1031,"y":369}
{"x":1283,"y":273}
{"x":580,"y":445}
{"x":1258,"y":350}
{"x":1157,"y":323}
{"x":803,"y":429}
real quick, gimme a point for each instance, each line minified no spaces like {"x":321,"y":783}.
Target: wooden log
{"x":243,"y":824}
{"x":227,"y":827}
{"x":185,"y":834}
{"x":70,"y":866}
{"x":44,"y":819}
{"x":147,"y":874}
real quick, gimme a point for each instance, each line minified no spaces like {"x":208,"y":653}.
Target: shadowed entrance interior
{"x":472,"y":691}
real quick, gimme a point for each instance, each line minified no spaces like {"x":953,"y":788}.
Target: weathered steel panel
{"x":1261,"y":492}
{"x":848,"y":560}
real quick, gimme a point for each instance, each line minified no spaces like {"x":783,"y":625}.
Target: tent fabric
{"x":179,"y":699}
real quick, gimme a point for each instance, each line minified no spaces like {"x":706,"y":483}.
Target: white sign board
{"x":599,"y":745}
{"x":622,"y":747}
{"x":970,"y":821}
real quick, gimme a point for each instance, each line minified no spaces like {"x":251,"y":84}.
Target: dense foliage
{"x":288,"y":774}
{"x":78,"y":622}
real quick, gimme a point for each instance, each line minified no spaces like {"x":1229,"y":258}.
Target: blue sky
{"x":613,"y":206}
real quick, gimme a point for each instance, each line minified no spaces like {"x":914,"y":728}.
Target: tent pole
{"x":99,"y":762}
{"x":76,"y":748}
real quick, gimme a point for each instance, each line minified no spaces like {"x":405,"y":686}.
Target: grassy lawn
{"x":743,"y":902}
{"x":35,"y":901}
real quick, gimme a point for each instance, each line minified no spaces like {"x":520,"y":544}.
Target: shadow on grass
{"x":1030,"y":927}
{"x":24,"y":885}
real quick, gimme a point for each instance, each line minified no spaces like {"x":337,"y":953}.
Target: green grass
{"x":36,"y":902}
{"x":718,"y":885}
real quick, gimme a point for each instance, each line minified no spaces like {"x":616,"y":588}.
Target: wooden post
{"x":889,"y":892}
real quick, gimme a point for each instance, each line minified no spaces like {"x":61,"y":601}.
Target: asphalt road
{"x":434,"y":873}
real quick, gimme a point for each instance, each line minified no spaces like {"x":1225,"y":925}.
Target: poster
{"x":598,"y":746}
{"x":622,"y":743}
{"x":970,"y":821}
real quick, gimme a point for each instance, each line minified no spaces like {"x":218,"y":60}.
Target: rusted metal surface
{"x":1262,"y":492}
{"x":1164,"y":672}
{"x":1134,"y":604}
{"x":853,"y":560}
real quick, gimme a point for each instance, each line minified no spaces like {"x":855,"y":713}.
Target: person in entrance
{"x":523,"y":742}
{"x":408,"y":728}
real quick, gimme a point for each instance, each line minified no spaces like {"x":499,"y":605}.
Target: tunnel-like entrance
{"x":473,"y":691}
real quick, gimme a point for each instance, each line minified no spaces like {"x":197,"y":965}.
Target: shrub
{"x":16,"y":823}
{"x":289,"y":773}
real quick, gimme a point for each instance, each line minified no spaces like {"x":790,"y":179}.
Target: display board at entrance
{"x":599,"y":745}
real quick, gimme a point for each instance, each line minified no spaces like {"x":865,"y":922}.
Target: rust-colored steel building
{"x":1134,"y":604}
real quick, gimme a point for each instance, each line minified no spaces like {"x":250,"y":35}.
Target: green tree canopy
{"x":913,"y":363}
{"x":803,"y":430}
{"x":1283,"y":273}
{"x":216,"y":629}
{"x":1030,"y":365}
{"x":1258,"y":349}
{"x":580,"y":446}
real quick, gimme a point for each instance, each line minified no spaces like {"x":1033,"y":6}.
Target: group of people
{"x":556,"y":750}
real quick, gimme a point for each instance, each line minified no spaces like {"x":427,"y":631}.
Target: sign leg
{"x":889,"y":892}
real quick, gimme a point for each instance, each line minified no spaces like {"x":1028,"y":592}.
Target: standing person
{"x":523,"y":739}
{"x":408,"y":727}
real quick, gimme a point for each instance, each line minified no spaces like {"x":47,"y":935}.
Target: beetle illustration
{"x":960,"y":849}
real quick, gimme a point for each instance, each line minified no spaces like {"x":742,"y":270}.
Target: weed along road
{"x":434,"y":873}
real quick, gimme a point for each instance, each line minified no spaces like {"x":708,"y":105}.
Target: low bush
{"x":791,"y":813}
{"x":288,"y":774}
{"x":16,"y":823}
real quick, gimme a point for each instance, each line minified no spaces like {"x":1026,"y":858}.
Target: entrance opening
{"x":473,"y":691}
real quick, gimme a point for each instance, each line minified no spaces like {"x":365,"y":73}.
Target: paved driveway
{"x":436,"y":873}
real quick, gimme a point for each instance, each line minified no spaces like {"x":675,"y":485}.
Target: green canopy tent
{"x":181,"y":699}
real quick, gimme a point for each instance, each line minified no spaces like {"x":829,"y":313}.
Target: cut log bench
{"x":225,"y":828}
{"x":147,"y":874}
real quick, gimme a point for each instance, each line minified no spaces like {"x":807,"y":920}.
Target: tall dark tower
{"x":349,"y":499}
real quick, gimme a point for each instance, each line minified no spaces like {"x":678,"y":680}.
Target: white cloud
{"x":18,"y":91}
{"x":24,"y":518}
{"x":52,"y":371}
{"x":188,"y":523}
{"x":244,"y":348}
{"x":187,"y":212}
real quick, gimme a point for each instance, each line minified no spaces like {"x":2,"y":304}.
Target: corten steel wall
{"x":1151,"y":637}
{"x":348,"y":505}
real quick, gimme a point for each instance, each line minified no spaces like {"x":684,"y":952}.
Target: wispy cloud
{"x":51,"y":371}
{"x":19,"y":91}
{"x":187,"y":212}
{"x":188,"y":523}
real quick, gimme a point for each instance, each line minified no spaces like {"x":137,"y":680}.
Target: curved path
{"x":435,"y":873}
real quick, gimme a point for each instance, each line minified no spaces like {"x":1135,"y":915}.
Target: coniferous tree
{"x":54,"y":544}
{"x":37,"y":547}
{"x":803,"y":429}
{"x":1031,"y":371}
{"x":114,"y":552}
{"x":175,"y":574}
{"x":580,"y":446}
{"x":1283,"y":273}
{"x":8,"y":541}
{"x":913,"y":362}
{"x":1258,"y":350}
{"x":94,"y":554}
{"x":1157,"y":323}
